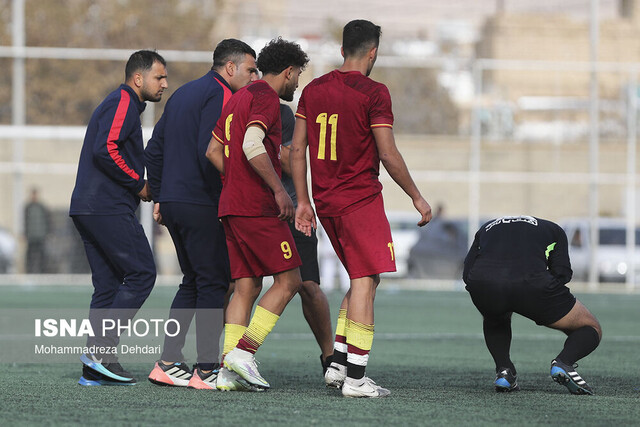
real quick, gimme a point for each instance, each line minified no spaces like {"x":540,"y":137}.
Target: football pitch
{"x":428,"y":351}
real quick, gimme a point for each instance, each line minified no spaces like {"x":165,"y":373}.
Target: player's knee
{"x":247,"y":291}
{"x":308,"y":289}
{"x":587,"y":318}
{"x":596,"y":325}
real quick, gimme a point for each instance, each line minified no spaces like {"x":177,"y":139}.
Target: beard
{"x":288,"y":93}
{"x":153,"y":97}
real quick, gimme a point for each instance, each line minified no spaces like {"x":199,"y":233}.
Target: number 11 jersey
{"x":341,"y":109}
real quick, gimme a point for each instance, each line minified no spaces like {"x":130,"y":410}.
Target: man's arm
{"x":115,"y":125}
{"x":154,"y":157}
{"x":305,"y":216}
{"x":261,"y":163}
{"x":395,"y":165}
{"x":215,"y":154}
{"x":470,"y":259}
{"x":285,"y":159}
{"x":209,"y":116}
{"x":558,"y":258}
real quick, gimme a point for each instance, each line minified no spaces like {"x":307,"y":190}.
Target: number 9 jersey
{"x":340,"y":109}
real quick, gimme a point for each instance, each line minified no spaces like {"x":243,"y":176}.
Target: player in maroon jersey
{"x":345,"y":119}
{"x":254,"y":207}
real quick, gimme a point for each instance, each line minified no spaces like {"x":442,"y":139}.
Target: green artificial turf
{"x":428,"y":351}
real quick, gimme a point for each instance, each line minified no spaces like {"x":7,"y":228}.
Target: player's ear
{"x":289,"y":72}
{"x":342,"y":51}
{"x":230,"y":68}
{"x":373,"y":53}
{"x":137,"y":79}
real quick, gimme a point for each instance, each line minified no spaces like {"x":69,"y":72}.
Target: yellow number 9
{"x":227,"y":127}
{"x":286,"y":250}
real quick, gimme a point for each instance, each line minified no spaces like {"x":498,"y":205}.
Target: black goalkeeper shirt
{"x":513,"y":248}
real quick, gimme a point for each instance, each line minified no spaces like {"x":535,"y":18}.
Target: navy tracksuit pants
{"x":201,"y":247}
{"x":123,"y":271}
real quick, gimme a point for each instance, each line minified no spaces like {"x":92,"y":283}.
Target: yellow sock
{"x":359,"y":342}
{"x":232,"y":334}
{"x":359,"y":335}
{"x":341,"y":326}
{"x":261,"y":324}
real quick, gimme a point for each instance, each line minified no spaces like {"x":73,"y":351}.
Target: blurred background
{"x":501,"y":107}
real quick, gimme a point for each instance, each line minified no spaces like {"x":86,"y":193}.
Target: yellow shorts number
{"x":390,"y":246}
{"x":286,"y":250}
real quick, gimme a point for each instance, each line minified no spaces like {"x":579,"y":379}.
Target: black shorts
{"x":539,"y":297}
{"x":308,"y":251}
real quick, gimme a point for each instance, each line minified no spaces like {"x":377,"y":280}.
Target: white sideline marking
{"x":389,"y":336}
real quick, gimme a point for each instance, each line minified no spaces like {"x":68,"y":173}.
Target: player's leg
{"x":583,"y":336}
{"x":497,"y":337}
{"x":267,"y":249}
{"x":245,"y":291}
{"x":337,"y":371}
{"x":492,"y":299}
{"x":315,"y":306}
{"x":206,"y":249}
{"x":362,"y":240}
{"x":359,"y":334}
{"x":360,"y":324}
{"x":238,"y":312}
{"x":241,"y":359}
{"x":285,"y":285}
{"x":122,"y":240}
{"x":170,"y":369}
{"x":100,"y":369}
{"x":130,"y":253}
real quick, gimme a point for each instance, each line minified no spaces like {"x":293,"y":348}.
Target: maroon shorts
{"x":362,"y":239}
{"x":259,"y":246}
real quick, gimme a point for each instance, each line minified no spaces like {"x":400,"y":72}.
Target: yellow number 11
{"x":322,"y":142}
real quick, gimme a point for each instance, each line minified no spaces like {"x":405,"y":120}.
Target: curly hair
{"x":279,"y":54}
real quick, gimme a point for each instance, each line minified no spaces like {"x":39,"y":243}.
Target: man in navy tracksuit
{"x":186,"y":189}
{"x":109,"y":185}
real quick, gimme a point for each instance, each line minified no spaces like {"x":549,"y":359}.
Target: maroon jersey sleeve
{"x":218,"y":131}
{"x":301,"y":111}
{"x":380,"y":112}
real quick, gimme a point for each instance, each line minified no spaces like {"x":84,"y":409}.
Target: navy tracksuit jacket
{"x":110,"y":176}
{"x":188,"y":186}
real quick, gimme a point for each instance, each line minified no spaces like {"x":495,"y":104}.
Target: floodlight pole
{"x":146,"y":208}
{"x":475,"y":150}
{"x":18,"y":111}
{"x":594,"y":119}
{"x":632,"y":129}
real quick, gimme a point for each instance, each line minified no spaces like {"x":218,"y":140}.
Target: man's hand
{"x":145,"y":193}
{"x":285,"y":204}
{"x":425,"y":210}
{"x":305,"y":218}
{"x":157,"y":216}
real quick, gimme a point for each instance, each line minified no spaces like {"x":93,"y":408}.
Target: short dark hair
{"x":142,"y":60}
{"x":231,"y":50}
{"x":359,"y":36}
{"x":279,"y":54}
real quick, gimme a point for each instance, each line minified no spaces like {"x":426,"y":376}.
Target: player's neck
{"x":275,"y":81}
{"x":359,"y":65}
